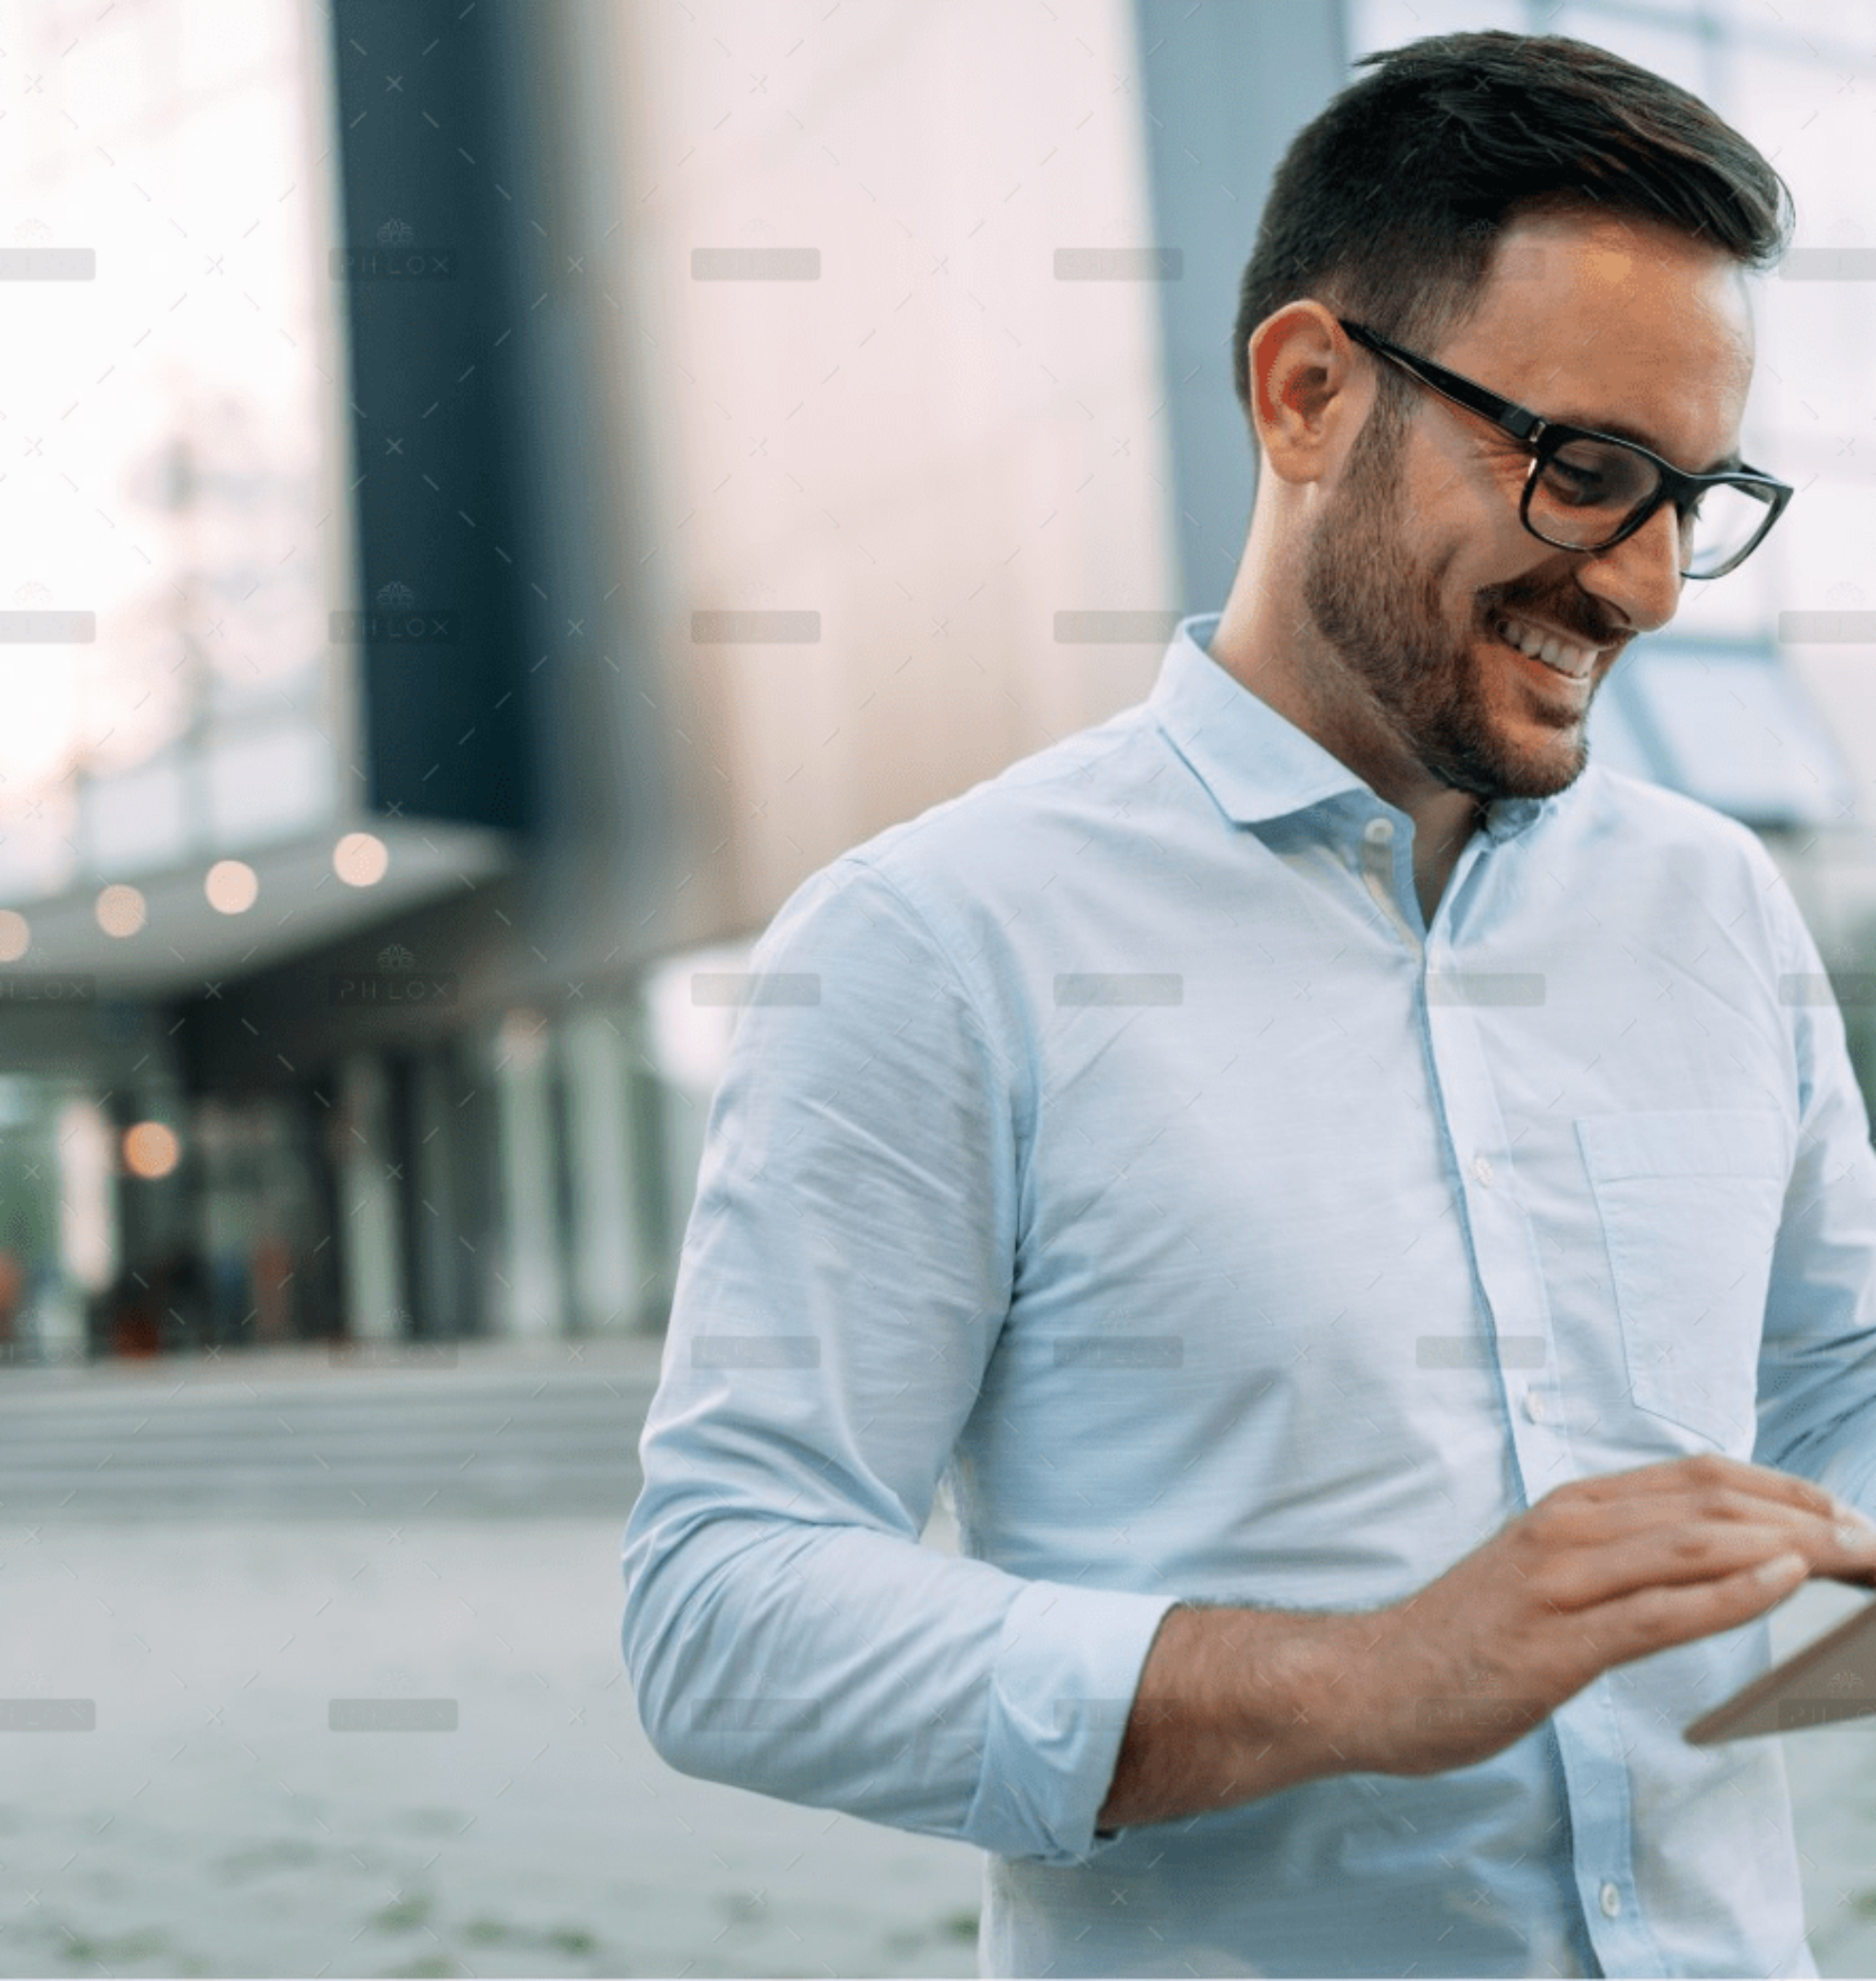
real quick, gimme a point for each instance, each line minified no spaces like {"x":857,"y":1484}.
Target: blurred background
{"x":495,"y":497}
{"x":492,"y":498}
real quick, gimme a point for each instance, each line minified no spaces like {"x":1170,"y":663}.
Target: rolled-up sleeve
{"x":1817,"y":1363}
{"x":845,"y":1276}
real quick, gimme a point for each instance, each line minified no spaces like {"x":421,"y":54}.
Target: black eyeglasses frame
{"x":1544,"y":437}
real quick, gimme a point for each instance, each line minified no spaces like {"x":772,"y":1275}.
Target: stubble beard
{"x":1383,"y":615}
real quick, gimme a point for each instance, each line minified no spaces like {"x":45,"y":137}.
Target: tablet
{"x":1833,"y":1678}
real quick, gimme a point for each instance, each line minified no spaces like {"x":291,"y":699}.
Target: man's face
{"x":1417,"y":559}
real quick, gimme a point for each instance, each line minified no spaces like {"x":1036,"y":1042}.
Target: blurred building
{"x":501,"y":495}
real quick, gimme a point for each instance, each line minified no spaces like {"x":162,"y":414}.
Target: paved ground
{"x":213,"y":1823}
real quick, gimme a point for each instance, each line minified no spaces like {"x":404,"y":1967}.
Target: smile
{"x":1561,"y":655}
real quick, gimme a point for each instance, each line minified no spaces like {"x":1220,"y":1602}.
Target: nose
{"x":1639,"y":576}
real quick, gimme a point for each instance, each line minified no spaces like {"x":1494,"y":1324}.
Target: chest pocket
{"x":1690,"y":1204}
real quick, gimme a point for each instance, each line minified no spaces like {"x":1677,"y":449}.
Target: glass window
{"x":1388,"y":24}
{"x":1827,"y":26}
{"x":1737,"y":733}
{"x":168,"y":412}
{"x":1668,"y":44}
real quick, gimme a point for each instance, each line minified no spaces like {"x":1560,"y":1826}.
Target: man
{"x":1351,"y":1197}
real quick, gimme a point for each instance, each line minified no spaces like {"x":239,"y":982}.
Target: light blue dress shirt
{"x":1117,"y":1144}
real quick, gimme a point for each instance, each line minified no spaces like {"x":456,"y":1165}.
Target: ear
{"x":1308,"y":393}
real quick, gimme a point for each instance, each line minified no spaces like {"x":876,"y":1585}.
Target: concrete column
{"x":376,"y":1300}
{"x":1223,"y":88}
{"x":435,"y":1210}
{"x":87,"y":1152}
{"x":531,"y":1295}
{"x":610,"y":1255}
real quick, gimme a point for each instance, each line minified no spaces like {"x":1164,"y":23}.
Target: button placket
{"x":1377,"y":870}
{"x":1488,"y":1201}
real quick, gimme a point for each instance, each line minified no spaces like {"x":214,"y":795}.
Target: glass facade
{"x":166,"y":691}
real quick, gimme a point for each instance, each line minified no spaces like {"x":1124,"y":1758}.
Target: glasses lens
{"x":1725,"y":521}
{"x":1588,"y":489}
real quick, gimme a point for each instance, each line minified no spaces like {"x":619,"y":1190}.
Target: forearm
{"x":1233,"y":1705}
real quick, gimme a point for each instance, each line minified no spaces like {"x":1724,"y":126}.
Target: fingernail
{"x":1853,"y":1516}
{"x":1857,"y":1534}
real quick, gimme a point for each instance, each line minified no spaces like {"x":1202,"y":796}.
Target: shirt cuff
{"x":1067,"y":1667}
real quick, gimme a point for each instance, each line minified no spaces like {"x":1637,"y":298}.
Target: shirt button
{"x":1534,"y":1406}
{"x":1611,"y":1900}
{"x":1378,"y":832}
{"x":1482,"y":1170}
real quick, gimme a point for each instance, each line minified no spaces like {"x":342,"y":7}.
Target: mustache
{"x":1566,"y":619}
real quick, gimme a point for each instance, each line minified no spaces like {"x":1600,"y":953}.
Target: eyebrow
{"x":1620,"y":429}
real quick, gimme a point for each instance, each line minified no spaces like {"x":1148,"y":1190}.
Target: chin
{"x":1504,"y":771}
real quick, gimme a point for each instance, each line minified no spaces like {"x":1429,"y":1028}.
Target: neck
{"x":1308,"y":689}
{"x":1257,"y":644}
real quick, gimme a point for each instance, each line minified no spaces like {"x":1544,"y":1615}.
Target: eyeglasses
{"x":1588,"y":490}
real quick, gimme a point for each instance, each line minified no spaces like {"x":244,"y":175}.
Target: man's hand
{"x":1598,"y":1573}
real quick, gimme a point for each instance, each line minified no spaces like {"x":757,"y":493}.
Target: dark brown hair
{"x":1391,"y":202}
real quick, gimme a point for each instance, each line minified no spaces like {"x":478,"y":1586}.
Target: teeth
{"x":1563,"y":655}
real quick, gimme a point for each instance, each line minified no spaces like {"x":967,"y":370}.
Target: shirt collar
{"x":1257,"y":764}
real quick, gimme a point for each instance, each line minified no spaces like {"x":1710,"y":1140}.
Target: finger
{"x":1657,"y":1619}
{"x":1688,"y":1510}
{"x":1705,"y":1476}
{"x":1770,"y":1483}
{"x":1582,"y":1579}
